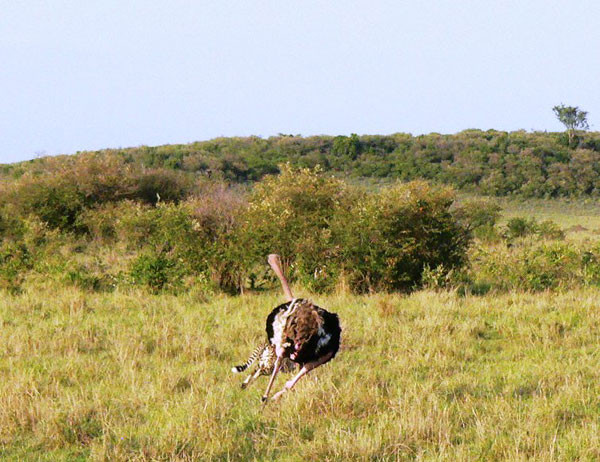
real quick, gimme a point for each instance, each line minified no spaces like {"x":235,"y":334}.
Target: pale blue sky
{"x":78,"y":75}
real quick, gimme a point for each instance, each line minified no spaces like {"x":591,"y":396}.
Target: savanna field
{"x":470,"y":323}
{"x":432,"y":375}
{"x":428,"y":376}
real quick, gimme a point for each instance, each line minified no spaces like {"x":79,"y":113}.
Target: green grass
{"x":130,"y":375}
{"x":430,"y":376}
{"x":579,"y":218}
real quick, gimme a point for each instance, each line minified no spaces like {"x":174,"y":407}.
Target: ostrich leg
{"x":305,"y":370}
{"x":275,"y":371}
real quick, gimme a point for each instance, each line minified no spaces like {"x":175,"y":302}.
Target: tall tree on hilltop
{"x":572,"y":118}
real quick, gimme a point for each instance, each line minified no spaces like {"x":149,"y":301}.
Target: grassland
{"x":430,"y":376}
{"x":580,"y":219}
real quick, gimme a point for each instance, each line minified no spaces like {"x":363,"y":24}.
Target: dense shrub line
{"x":536,"y":164}
{"x":59,"y":190}
{"x":328,"y":233}
{"x":103,"y":224}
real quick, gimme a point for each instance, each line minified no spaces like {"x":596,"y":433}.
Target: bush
{"x":480,"y":216}
{"x":101,"y":177}
{"x":590,"y":260}
{"x":327,"y":232}
{"x":55,"y":200}
{"x":216,"y":212}
{"x":15,"y":261}
{"x":388,"y":238}
{"x":11,"y":225}
{"x":158,"y":271}
{"x":166,"y":227}
{"x":477,"y":213}
{"x":164,"y":185}
{"x":101,"y":222}
{"x":199,"y":233}
{"x":521,"y":227}
{"x":64,"y":188}
{"x":290,"y":214}
{"x":550,"y":230}
{"x":535,"y":267}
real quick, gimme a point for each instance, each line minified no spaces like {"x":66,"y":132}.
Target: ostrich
{"x":300,"y":331}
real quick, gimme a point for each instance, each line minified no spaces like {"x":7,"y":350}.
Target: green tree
{"x":346,"y":147}
{"x":572,"y":118}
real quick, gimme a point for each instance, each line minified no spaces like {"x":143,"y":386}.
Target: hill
{"x":529,"y":164}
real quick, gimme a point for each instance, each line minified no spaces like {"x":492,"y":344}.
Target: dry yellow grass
{"x":430,"y":376}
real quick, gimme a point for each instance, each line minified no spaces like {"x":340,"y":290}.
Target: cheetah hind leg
{"x":251,"y":378}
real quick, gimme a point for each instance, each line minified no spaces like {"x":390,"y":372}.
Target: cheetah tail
{"x":253,"y":357}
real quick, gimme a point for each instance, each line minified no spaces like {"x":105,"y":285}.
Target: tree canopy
{"x":572,"y":118}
